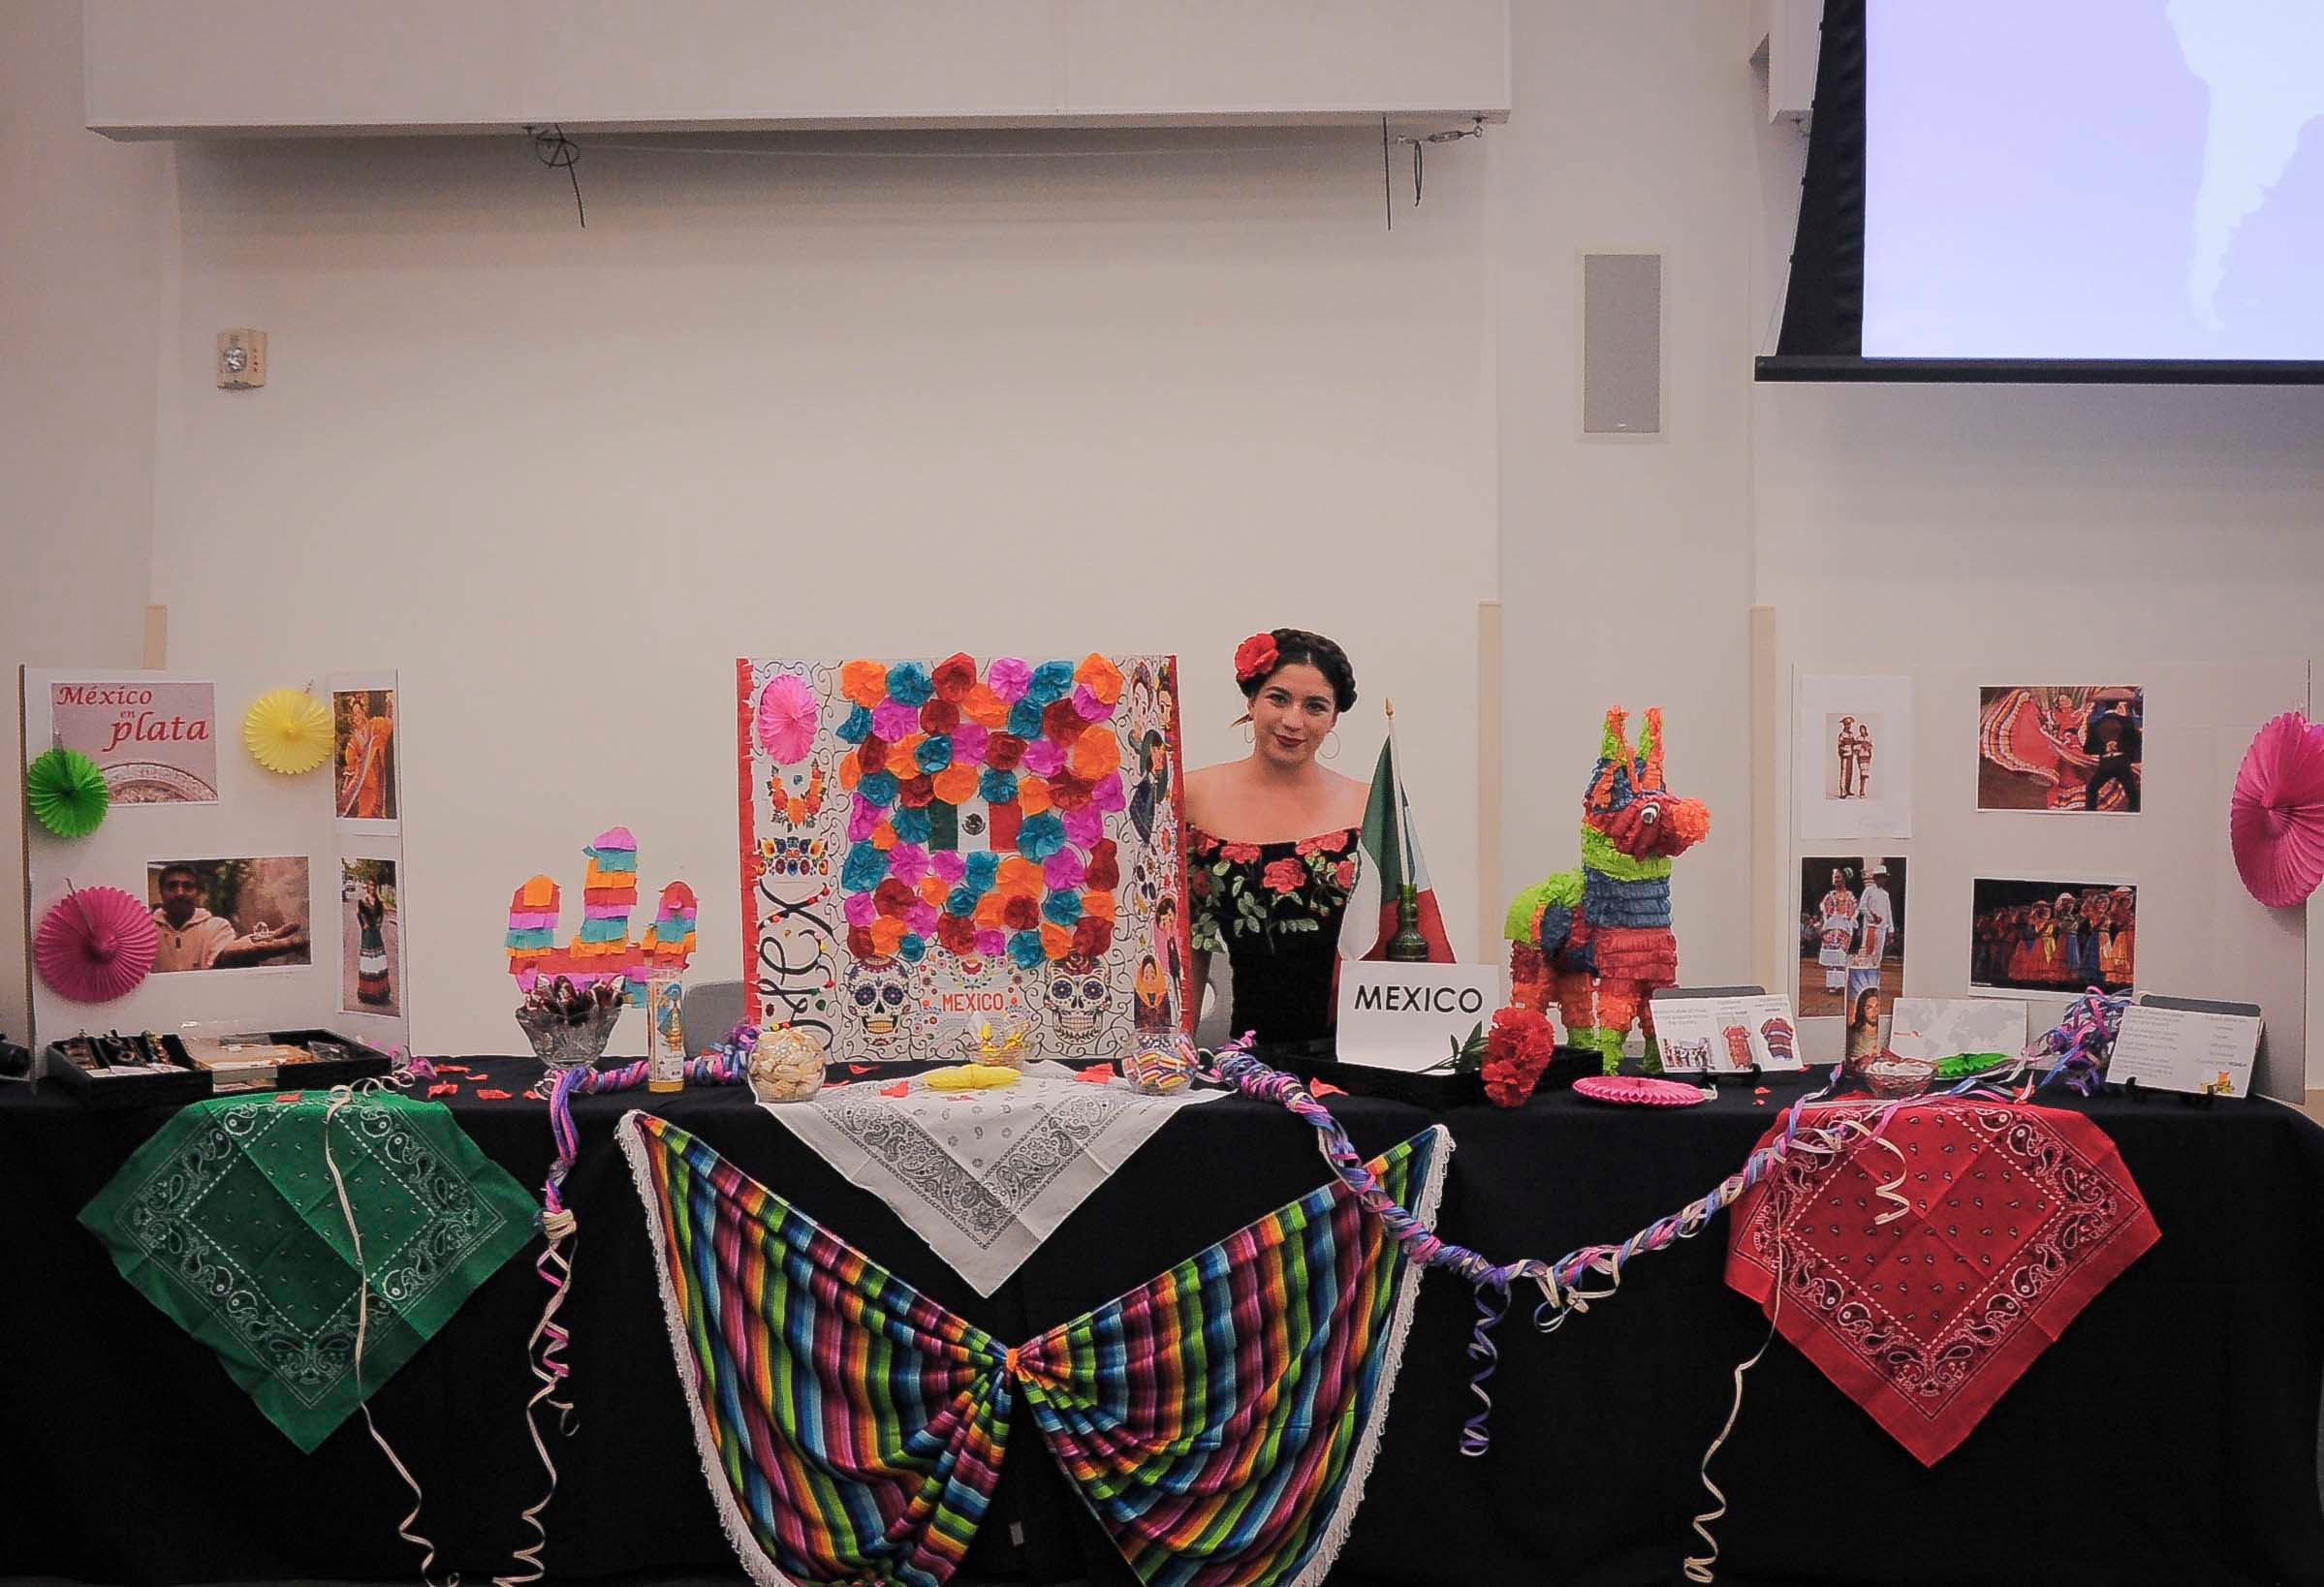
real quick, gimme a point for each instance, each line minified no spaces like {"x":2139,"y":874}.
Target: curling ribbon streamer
{"x":727,"y":1064}
{"x":1560,"y":1281}
{"x":340,"y":1096}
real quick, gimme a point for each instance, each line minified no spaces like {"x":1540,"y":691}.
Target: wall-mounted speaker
{"x":1621,"y":344}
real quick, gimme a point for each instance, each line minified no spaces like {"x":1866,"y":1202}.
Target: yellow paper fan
{"x":288,"y":731}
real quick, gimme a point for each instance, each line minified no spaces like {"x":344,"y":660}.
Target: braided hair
{"x":1298,"y":646}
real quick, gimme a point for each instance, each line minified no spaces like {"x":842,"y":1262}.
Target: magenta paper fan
{"x":787,"y":718}
{"x":2276,"y":816}
{"x":95,"y":945}
{"x":1638,"y":1090}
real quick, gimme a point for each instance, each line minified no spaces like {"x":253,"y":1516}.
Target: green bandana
{"x":228,"y":1221}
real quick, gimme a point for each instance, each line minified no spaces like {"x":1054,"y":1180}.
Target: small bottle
{"x":664,"y":1033}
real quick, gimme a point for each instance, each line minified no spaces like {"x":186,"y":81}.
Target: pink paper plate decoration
{"x":95,"y":945}
{"x":787,"y":718}
{"x":1638,"y":1090}
{"x":2276,"y":816}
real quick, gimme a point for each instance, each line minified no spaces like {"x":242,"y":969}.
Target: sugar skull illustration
{"x":879,"y":991}
{"x":1074,"y":992}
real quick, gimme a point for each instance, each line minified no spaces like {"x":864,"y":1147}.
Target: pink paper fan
{"x":2276,"y":816}
{"x":787,"y":715}
{"x":95,"y":945}
{"x":1638,"y":1090}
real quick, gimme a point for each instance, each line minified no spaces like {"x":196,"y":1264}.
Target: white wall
{"x":1626,"y":563}
{"x":82,"y":270}
{"x":562,"y":477}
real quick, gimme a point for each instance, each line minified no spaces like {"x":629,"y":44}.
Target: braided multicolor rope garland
{"x":1560,"y":1281}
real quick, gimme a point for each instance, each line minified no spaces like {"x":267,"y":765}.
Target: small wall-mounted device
{"x":241,"y":359}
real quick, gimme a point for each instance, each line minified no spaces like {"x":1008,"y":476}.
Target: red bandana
{"x":2018,"y":1216}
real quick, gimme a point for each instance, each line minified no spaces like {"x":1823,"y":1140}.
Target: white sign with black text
{"x":1407,"y":1015}
{"x":2183,"y":1050}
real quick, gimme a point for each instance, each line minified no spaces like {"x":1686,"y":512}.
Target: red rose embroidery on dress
{"x":1284,"y":875}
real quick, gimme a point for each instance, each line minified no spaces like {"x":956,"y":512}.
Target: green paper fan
{"x":65,"y":791}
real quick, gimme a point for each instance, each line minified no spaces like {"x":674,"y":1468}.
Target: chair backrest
{"x":710,"y":1009}
{"x":1210,"y":1029}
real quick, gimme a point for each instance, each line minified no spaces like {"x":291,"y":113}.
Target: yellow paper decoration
{"x":288,"y":731}
{"x":970,"y":1077}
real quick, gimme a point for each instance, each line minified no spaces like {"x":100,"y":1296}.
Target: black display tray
{"x":101,"y":1089}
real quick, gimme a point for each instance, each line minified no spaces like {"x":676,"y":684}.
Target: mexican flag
{"x":1390,"y":859}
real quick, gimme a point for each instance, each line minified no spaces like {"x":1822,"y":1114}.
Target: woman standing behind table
{"x":1271,"y":841}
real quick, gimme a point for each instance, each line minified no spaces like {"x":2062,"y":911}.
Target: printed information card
{"x":2183,"y":1050}
{"x":1725,"y":1034}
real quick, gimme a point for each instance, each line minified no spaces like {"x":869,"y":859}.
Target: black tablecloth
{"x":2169,"y":1437}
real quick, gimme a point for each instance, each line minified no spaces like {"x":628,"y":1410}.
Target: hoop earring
{"x":1330,"y":749}
{"x":1250,"y":732}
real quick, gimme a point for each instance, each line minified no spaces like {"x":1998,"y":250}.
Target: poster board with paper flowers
{"x":222,"y":834}
{"x":929,"y":845}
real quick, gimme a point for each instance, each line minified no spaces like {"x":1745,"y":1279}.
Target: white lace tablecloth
{"x":983,"y":1176}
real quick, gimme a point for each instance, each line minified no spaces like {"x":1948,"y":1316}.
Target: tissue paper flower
{"x":1024,"y":719}
{"x":1040,"y":836}
{"x":1092,"y":937}
{"x":1024,"y":951}
{"x":955,"y":676}
{"x":2276,"y":815}
{"x":985,"y":708}
{"x":957,"y":784}
{"x":1008,"y":677}
{"x":912,"y":825}
{"x":1095,"y":753}
{"x":1051,"y":680}
{"x":65,"y":791}
{"x":1004,"y":752}
{"x":288,"y":731}
{"x":1044,"y":759}
{"x":787,"y":718}
{"x":1100,"y":677}
{"x":1062,"y":907}
{"x":969,"y":741}
{"x":1064,"y":870}
{"x":894,"y":720}
{"x":949,"y":864}
{"x":860,"y":909}
{"x":940,"y":715}
{"x":858,"y":726}
{"x":1087,"y":707}
{"x":908,"y":682}
{"x":1107,"y":796}
{"x":865,"y":682}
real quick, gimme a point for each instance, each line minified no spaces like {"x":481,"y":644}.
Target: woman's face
{"x":1291,"y":714}
{"x":1840,"y":882}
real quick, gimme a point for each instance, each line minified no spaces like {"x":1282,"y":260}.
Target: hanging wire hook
{"x":554,"y":150}
{"x":1420,"y":142}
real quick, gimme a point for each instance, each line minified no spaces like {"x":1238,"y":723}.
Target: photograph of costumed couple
{"x":1848,"y":769}
{"x":2076,"y":747}
{"x":1851,"y":938}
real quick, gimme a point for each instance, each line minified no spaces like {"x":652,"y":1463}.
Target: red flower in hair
{"x":1255,"y":657}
